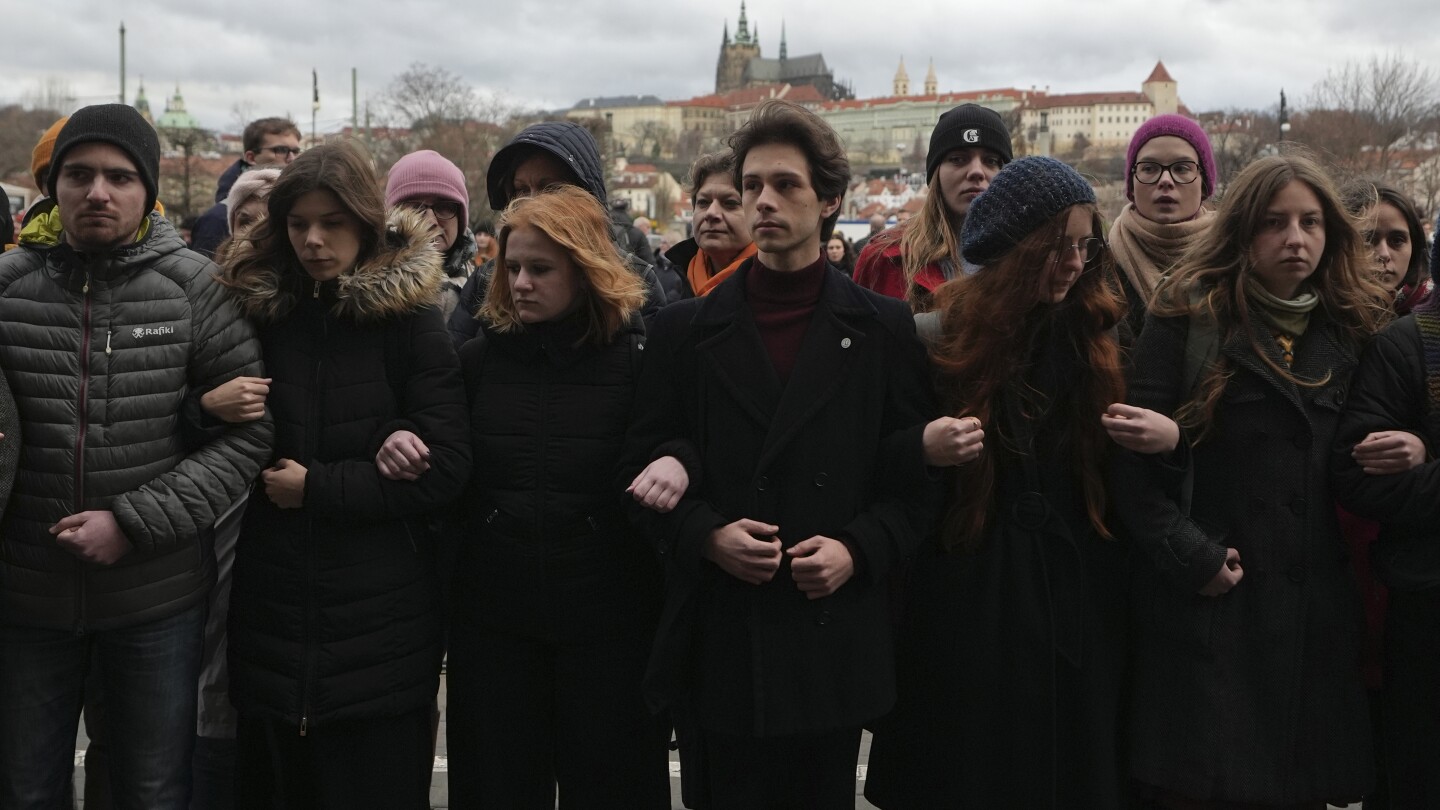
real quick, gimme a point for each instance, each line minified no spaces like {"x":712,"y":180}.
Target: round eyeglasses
{"x":444,"y":209}
{"x":1183,"y":172}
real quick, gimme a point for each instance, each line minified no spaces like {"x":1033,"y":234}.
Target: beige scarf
{"x":1147,"y":250}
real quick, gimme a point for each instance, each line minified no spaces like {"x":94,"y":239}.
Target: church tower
{"x":1162,"y":90}
{"x":902,"y":80}
{"x":931,"y":84}
{"x":735,"y":55}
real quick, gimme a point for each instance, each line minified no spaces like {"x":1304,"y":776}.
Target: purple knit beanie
{"x":427,"y":172}
{"x":1180,"y":127}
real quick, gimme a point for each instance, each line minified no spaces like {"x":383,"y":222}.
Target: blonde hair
{"x":571,"y":218}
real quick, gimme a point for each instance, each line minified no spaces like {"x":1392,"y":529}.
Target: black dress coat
{"x":1391,"y":393}
{"x":1012,"y":656}
{"x":1256,"y":695}
{"x":835,"y":452}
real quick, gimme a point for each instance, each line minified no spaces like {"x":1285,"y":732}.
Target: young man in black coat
{"x":802,"y":398}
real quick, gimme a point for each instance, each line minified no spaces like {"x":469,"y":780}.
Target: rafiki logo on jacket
{"x":149,"y":331}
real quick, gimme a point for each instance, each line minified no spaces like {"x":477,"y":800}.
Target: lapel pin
{"x":844,"y":343}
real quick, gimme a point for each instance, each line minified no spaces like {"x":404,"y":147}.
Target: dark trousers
{"x":526,"y":714}
{"x":149,"y":673}
{"x":384,"y":764}
{"x":1412,"y":700}
{"x":799,"y":772}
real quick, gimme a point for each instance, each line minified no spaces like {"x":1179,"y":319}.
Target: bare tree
{"x":190,"y":143}
{"x":1374,"y":105}
{"x":52,"y":93}
{"x":1238,"y":137}
{"x":20,"y":129}
{"x":424,"y":97}
{"x":241,"y":114}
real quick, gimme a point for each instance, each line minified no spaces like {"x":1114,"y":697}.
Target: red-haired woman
{"x":555,"y":599}
{"x":1012,"y":642}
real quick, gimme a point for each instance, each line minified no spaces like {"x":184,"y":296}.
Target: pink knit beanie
{"x":253,"y":183}
{"x":1180,"y":127}
{"x":427,"y":172}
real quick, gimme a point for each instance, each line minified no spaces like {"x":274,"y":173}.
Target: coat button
{"x":821,"y":480}
{"x":823,"y":619}
{"x":844,"y":343}
{"x":762,"y":483}
{"x":1296,"y":573}
{"x":1298,"y":506}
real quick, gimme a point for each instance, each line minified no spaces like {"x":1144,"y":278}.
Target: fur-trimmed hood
{"x":404,"y":275}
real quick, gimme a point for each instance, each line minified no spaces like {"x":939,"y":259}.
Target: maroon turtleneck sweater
{"x":782,"y":304}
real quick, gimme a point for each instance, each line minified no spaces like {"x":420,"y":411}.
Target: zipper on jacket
{"x":308,"y":647}
{"x":82,"y":416}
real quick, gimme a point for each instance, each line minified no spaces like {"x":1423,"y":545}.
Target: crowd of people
{"x":1067,"y":512}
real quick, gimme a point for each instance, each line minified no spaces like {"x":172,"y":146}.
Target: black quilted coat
{"x":335,"y":613}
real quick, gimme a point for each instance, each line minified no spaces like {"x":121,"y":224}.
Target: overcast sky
{"x":546,"y":54}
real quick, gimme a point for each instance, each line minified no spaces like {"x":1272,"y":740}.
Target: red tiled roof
{"x":640,"y":168}
{"x":750,"y":96}
{"x":1086,"y":100}
{"x":938,"y":98}
{"x":914,"y":205}
{"x":1159,"y":74}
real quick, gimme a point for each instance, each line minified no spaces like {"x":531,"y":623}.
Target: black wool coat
{"x":1391,"y":393}
{"x":335,"y":610}
{"x":1012,"y":656}
{"x":1256,"y":695}
{"x":835,"y":452}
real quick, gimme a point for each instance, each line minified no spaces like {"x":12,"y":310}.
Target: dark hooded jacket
{"x":336,"y":611}
{"x":101,"y":353}
{"x":575,"y":147}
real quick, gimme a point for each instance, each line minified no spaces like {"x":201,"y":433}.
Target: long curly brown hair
{"x":991,"y":322}
{"x":1213,"y":277}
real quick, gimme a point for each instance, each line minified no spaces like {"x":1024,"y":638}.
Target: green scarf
{"x":1287,"y":319}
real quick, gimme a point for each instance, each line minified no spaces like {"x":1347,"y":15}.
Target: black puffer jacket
{"x":549,"y":418}
{"x":335,"y":613}
{"x":1391,"y":393}
{"x":9,"y":441}
{"x":100,"y":354}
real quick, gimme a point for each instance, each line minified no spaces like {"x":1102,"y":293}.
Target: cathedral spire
{"x":725,"y":37}
{"x":742,"y":34}
{"x":782,"y":38}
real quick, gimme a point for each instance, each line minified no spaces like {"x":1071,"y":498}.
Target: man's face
{"x":275,"y":150}
{"x":781,"y":207}
{"x":100,"y":196}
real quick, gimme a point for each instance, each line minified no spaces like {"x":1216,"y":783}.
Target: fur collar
{"x":405,"y":274}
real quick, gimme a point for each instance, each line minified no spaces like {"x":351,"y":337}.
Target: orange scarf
{"x":698,"y":272}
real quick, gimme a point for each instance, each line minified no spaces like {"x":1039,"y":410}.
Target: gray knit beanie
{"x":1023,"y":196}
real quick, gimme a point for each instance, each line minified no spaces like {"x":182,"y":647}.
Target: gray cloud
{"x":551,"y":53}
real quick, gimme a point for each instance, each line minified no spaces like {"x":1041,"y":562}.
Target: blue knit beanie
{"x":1023,"y":196}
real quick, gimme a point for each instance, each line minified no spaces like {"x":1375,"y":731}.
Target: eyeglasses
{"x":281,"y":151}
{"x":1089,"y":249}
{"x":1183,"y":172}
{"x":444,"y":209}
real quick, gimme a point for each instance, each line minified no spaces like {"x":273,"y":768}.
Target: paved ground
{"x":440,"y":795}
